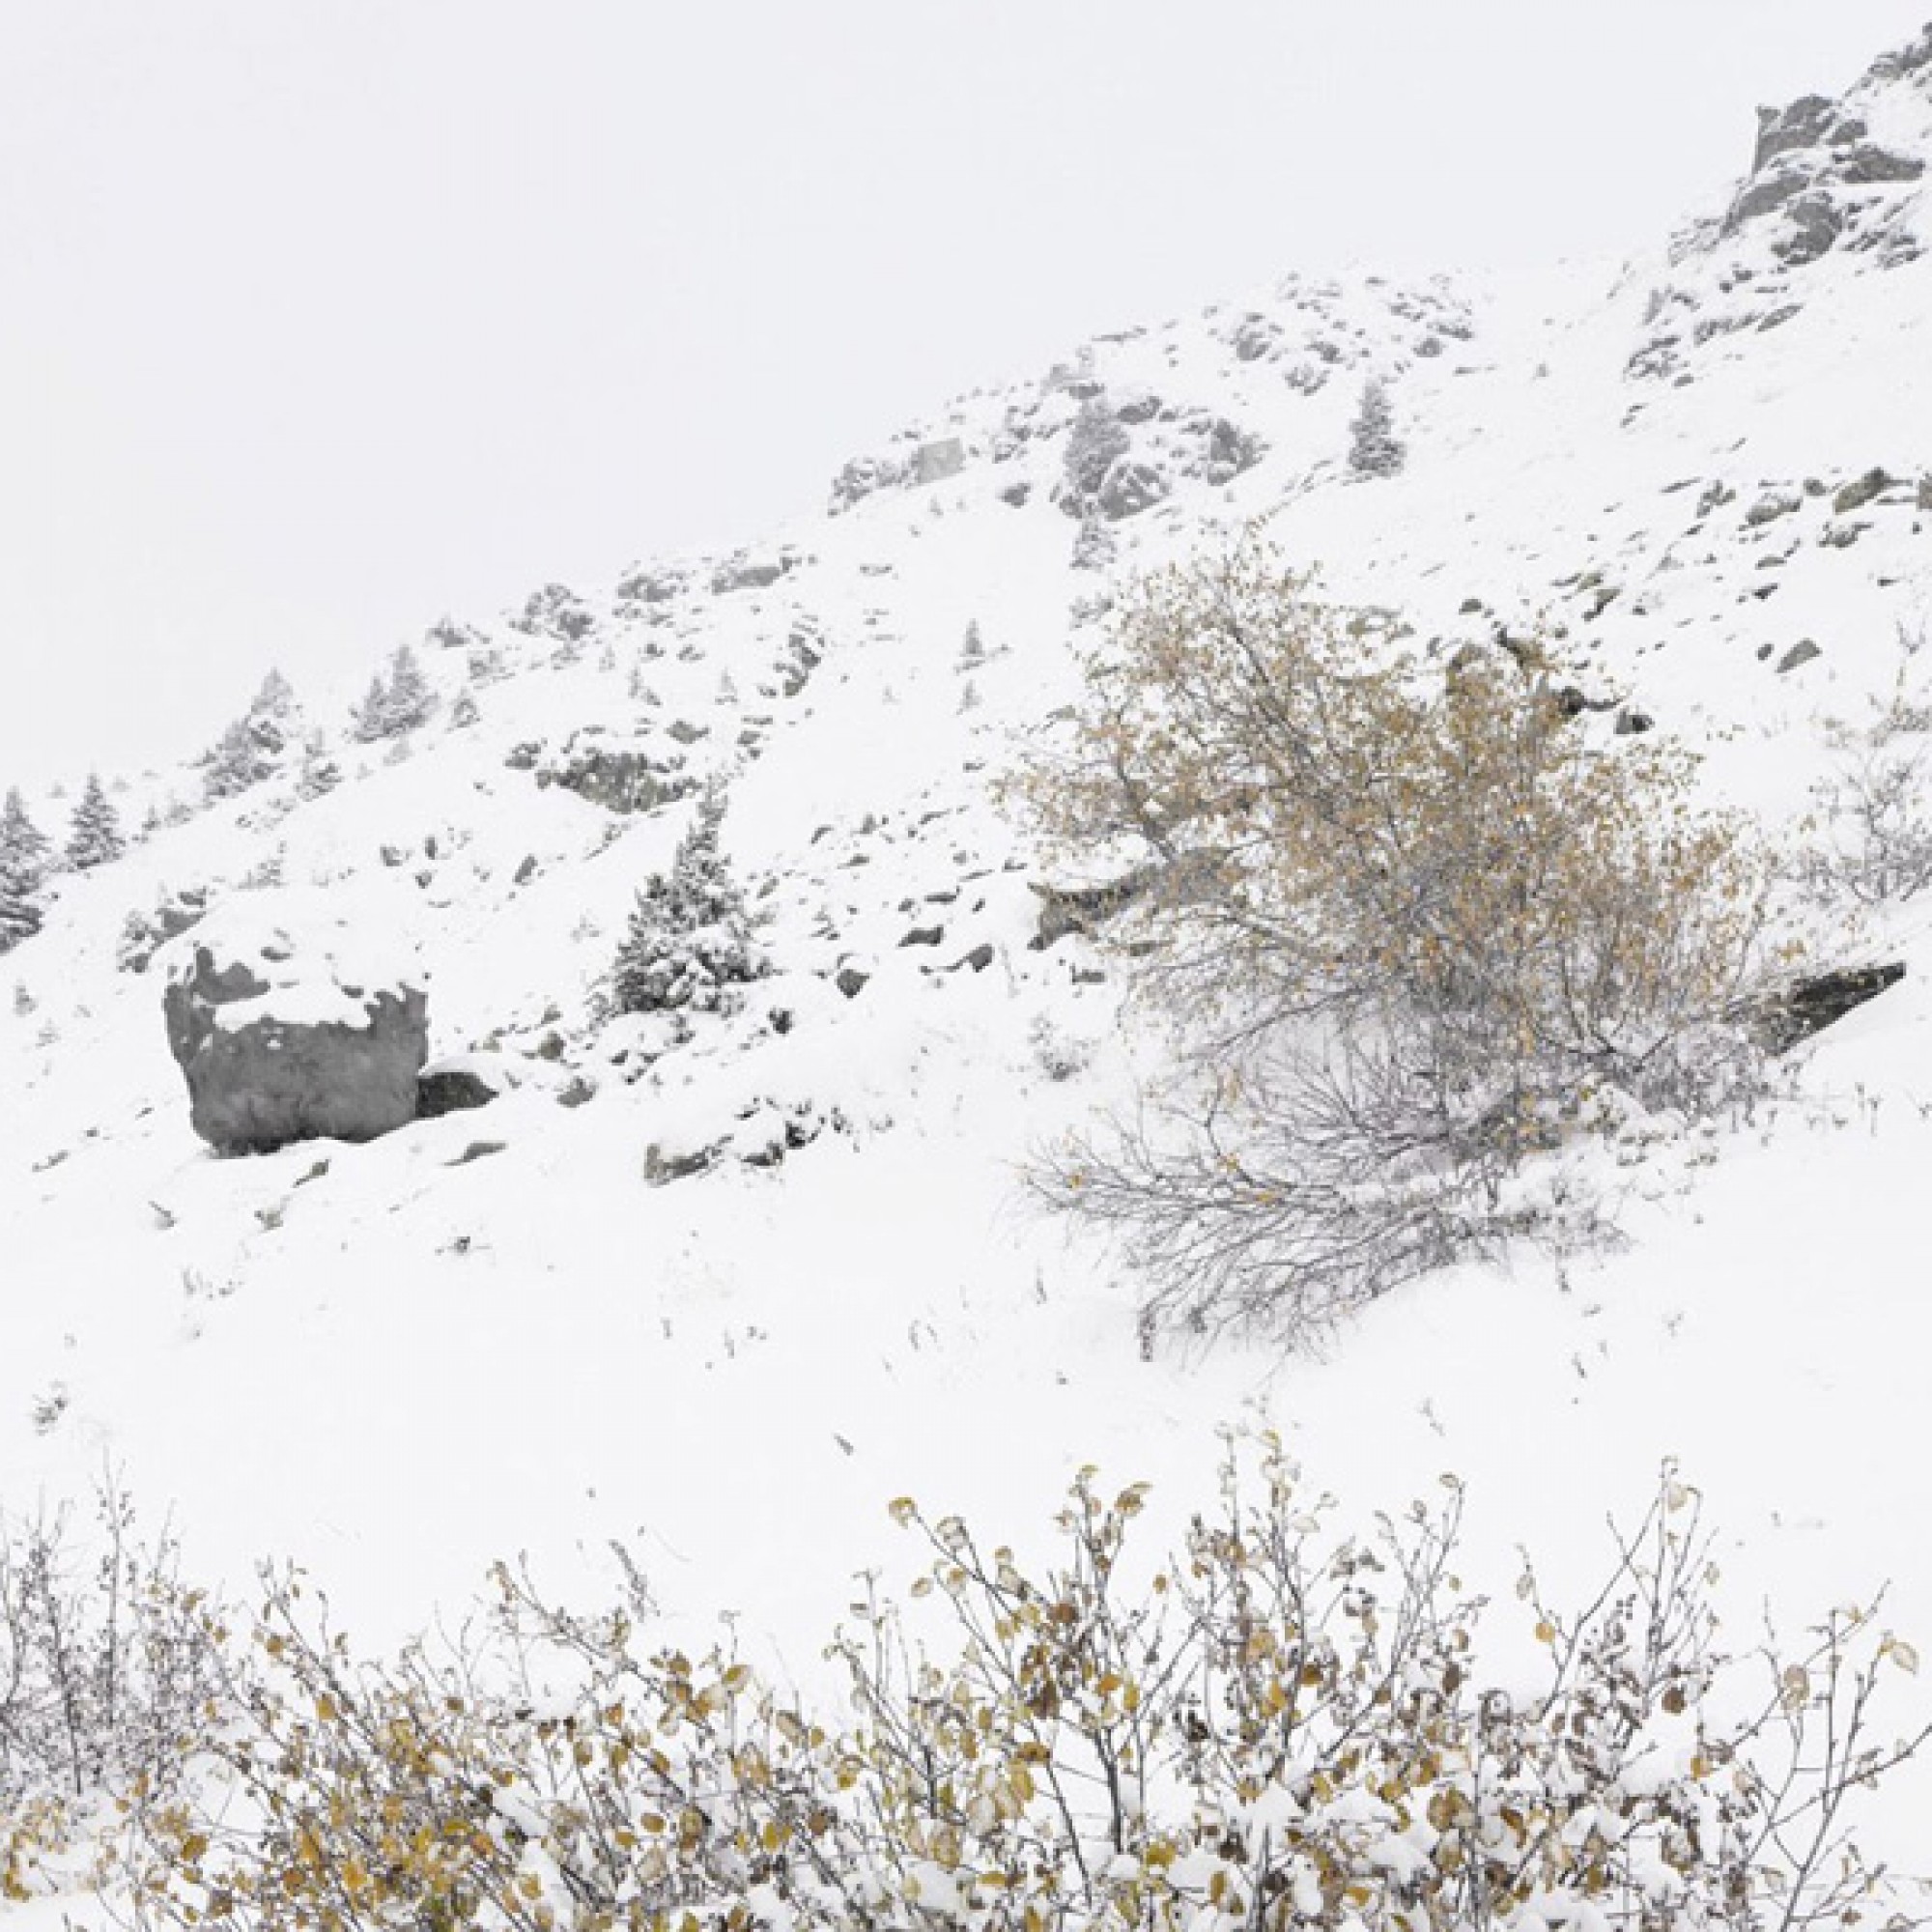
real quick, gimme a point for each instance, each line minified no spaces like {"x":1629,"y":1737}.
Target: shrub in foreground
{"x":1279,"y":1725}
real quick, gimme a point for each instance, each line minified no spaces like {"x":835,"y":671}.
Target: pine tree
{"x":395,"y":704}
{"x":690,"y":942}
{"x":27,"y":855}
{"x":1093,"y":444}
{"x":319,"y":772}
{"x":94,"y":838}
{"x":1374,"y":447}
{"x":19,"y":916}
{"x":251,"y":747}
{"x":370,"y":720}
{"x":972,"y":650}
{"x":411,"y":701}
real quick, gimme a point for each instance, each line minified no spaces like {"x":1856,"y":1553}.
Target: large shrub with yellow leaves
{"x":1412,"y":921}
{"x":1277,"y":1726}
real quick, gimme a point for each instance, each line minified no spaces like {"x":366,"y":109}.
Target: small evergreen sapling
{"x":251,"y":747}
{"x":19,"y":916}
{"x":395,"y":704}
{"x":1374,"y":448}
{"x":1094,"y":446}
{"x":691,"y":944}
{"x":26,"y":852}
{"x":24,"y":865}
{"x":95,"y":835}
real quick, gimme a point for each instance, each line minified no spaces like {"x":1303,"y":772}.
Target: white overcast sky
{"x":320,"y":316}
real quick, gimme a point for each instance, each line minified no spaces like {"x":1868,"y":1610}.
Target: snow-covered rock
{"x":289,"y":1026}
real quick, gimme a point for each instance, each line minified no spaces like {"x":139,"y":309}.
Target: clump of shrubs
{"x":109,"y":1683}
{"x":1413,"y":924}
{"x":1872,"y":829}
{"x":1277,"y":1725}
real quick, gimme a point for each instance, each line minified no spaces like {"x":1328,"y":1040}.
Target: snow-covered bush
{"x":1410,"y":927}
{"x":692,"y":942}
{"x":1279,"y":1725}
{"x":1874,"y":822}
{"x":108,"y":1681}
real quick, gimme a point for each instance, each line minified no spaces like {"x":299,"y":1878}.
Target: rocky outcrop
{"x":1836,"y":179}
{"x":621,"y":775}
{"x":284,"y":1035}
{"x":1809,"y":1005}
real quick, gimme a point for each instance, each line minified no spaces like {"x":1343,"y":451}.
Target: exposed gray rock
{"x":652,"y":585}
{"x":1083,"y":909}
{"x":1771,"y":505}
{"x":861,"y":477}
{"x":1764,"y":194}
{"x":1780,"y":130}
{"x":278,"y":1042}
{"x":1131,"y":485}
{"x":1815,"y":222}
{"x":1810,"y":1005}
{"x":621,"y":775}
{"x":1801,"y":653}
{"x":1861,"y":490}
{"x":748,"y":572}
{"x":452,"y":1087}
{"x":936,"y":461}
{"x":1866,"y":164}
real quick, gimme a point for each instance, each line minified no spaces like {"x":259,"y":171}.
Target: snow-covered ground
{"x":400,"y":1360}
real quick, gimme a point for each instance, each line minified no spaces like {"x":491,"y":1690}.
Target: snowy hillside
{"x":723,"y":1287}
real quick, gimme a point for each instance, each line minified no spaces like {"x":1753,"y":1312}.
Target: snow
{"x":315,"y":960}
{"x":402,"y":1360}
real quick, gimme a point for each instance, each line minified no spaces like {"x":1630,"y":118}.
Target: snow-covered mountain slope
{"x":507,"y":1330}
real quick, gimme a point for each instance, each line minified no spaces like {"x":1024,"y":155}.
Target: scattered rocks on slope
{"x":286,"y":1030}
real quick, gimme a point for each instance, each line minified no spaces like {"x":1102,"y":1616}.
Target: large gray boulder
{"x":286,"y":1028}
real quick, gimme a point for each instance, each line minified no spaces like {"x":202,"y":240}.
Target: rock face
{"x":455,"y":1087}
{"x":284,"y":1035}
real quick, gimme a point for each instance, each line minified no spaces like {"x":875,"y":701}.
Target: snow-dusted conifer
{"x":1093,"y":544}
{"x":972,"y":650}
{"x":690,"y":942}
{"x":1093,"y":444}
{"x":1374,"y":447}
{"x":251,"y":747}
{"x":27,"y":855}
{"x":368,"y":722}
{"x":19,"y":916}
{"x":397,"y":703}
{"x":94,"y":838}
